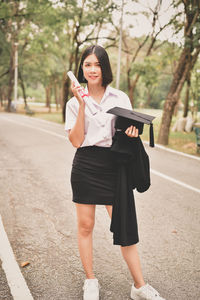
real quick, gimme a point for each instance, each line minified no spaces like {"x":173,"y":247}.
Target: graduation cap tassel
{"x":151,"y":144}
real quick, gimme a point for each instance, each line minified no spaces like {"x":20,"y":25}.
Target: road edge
{"x":15,"y":279}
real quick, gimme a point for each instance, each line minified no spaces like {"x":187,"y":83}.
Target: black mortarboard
{"x":127,"y":117}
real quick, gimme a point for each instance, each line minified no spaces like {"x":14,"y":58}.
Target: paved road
{"x":40,"y":221}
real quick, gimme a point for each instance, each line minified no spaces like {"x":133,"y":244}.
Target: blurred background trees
{"x":186,"y":62}
{"x":160,"y":67}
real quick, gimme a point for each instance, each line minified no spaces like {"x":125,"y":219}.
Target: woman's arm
{"x":76,"y":134}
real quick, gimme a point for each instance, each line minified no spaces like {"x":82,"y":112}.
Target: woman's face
{"x":92,"y":70}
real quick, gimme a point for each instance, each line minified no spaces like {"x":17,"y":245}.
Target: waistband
{"x":94,"y":149}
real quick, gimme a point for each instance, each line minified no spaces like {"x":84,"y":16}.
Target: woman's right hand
{"x":75,"y":91}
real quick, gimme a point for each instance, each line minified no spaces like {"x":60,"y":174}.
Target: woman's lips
{"x":93,"y":77}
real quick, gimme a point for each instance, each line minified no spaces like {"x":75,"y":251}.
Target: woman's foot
{"x":146,"y":292}
{"x":91,"y":289}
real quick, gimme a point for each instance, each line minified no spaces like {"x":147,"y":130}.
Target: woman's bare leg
{"x":86,"y":221}
{"x":132,"y":259}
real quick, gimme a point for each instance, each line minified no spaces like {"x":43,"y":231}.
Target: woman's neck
{"x":96,"y":92}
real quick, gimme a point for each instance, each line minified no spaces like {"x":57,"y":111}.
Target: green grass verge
{"x":53,"y":116}
{"x":180,"y":141}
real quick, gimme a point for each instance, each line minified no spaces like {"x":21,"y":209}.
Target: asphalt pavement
{"x":40,"y":220}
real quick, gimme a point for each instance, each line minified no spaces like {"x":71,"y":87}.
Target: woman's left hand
{"x":132,"y":131}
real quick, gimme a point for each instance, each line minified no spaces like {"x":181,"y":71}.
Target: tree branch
{"x":4,"y":73}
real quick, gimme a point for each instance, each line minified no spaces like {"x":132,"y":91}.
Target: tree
{"x":14,"y":17}
{"x":132,"y":53}
{"x":86,"y":24}
{"x":195,"y":88}
{"x":51,"y":35}
{"x":9,"y":31}
{"x":187,"y":60}
{"x":148,"y":72}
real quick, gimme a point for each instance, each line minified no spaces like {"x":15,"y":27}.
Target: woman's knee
{"x":85,"y":227}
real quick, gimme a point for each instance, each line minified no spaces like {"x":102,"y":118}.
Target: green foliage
{"x":155,"y":72}
{"x":51,"y":35}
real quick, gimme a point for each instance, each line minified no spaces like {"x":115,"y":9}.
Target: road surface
{"x":40,"y":221}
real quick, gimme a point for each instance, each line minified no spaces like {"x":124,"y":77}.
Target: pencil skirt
{"x":93,"y":176}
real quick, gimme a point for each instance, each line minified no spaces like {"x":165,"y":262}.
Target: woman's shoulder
{"x":122,"y":99}
{"x":118,"y":93}
{"x":72,"y":102}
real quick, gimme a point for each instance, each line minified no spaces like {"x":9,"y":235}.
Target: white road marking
{"x":174,"y":151}
{"x":33,"y":127}
{"x":183,"y":184}
{"x":16,"y":281}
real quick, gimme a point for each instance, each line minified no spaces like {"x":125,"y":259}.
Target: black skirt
{"x":93,"y":176}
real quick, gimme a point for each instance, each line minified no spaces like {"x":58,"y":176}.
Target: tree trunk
{"x":166,"y":120}
{"x":23,"y":89}
{"x":148,"y":97}
{"x":56,"y":94}
{"x":176,"y":108}
{"x":60,"y":96}
{"x":66,"y":87}
{"x":172,"y":98}
{"x":187,"y":98}
{"x":1,"y":97}
{"x":48,"y":97}
{"x":11,"y":79}
{"x":185,"y":65}
{"x":4,"y":94}
{"x":132,"y":89}
{"x":130,"y":93}
{"x":66,"y":84}
{"x":131,"y":96}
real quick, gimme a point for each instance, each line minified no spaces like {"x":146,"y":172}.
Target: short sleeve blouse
{"x":99,"y":127}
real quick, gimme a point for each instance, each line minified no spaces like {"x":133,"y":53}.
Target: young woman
{"x":94,"y":169}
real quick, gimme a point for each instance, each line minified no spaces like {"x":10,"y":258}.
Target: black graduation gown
{"x":133,"y":172}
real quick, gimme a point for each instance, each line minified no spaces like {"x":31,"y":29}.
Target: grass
{"x":42,"y":112}
{"x":53,"y":116}
{"x":180,"y":141}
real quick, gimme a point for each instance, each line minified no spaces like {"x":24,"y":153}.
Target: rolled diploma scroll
{"x":83,"y":94}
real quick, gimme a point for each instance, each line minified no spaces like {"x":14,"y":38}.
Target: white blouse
{"x":99,"y":125}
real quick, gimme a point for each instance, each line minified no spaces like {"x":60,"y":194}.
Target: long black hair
{"x":104,"y":61}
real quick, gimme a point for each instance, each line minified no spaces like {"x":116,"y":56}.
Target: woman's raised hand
{"x":132,"y":131}
{"x":75,"y":91}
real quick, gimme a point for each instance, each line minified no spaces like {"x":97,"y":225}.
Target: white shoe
{"x":146,"y":292}
{"x":91,"y":289}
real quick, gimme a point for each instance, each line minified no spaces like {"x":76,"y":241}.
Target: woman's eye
{"x":89,"y":65}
